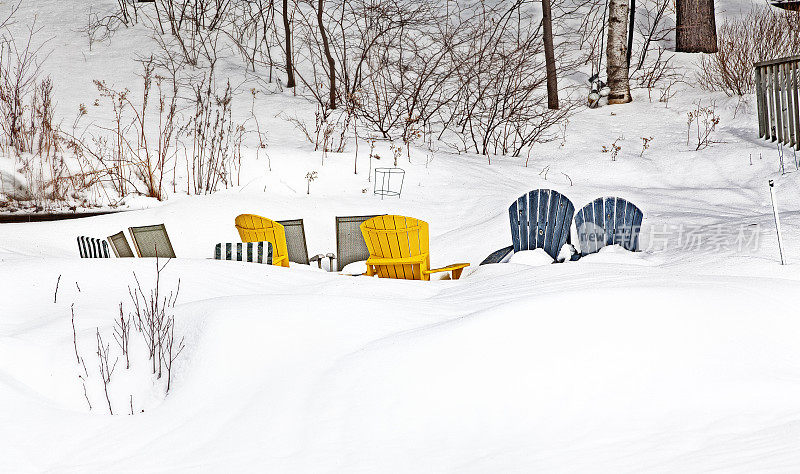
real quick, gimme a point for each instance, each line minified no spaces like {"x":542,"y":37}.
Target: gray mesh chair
{"x":89,"y":247}
{"x":295,"y":240}
{"x":350,"y":245}
{"x":119,"y":244}
{"x":152,"y":241}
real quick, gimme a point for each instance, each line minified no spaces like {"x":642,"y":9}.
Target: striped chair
{"x":89,"y":247}
{"x":256,"y":252}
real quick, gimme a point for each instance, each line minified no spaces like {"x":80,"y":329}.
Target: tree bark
{"x":287,"y":31}
{"x":616,"y":52}
{"x":696,"y":30}
{"x":331,"y":63}
{"x":549,"y":56}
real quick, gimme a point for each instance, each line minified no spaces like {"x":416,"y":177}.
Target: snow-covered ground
{"x":680,"y":358}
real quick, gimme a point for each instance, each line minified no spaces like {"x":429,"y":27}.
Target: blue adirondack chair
{"x":540,"y":219}
{"x":608,"y":221}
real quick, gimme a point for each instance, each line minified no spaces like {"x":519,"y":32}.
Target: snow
{"x":532,"y":258}
{"x":679,"y":358}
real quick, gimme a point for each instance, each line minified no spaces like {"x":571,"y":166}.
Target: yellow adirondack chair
{"x":398,"y":248}
{"x":253,"y":228}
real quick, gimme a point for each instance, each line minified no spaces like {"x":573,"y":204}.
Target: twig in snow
{"x":85,"y":395}
{"x":122,"y":334}
{"x":74,"y":334}
{"x":55,"y":295}
{"x":545,"y":170}
{"x":105,"y":370}
{"x":172,"y":352}
{"x":567,"y":176}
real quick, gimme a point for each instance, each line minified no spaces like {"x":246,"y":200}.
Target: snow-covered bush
{"x":131,"y":367}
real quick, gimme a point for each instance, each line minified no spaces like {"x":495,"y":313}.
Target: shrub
{"x":763,"y":34}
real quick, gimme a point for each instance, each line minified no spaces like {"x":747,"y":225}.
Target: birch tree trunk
{"x":616,"y":52}
{"x":549,"y":56}
{"x":696,"y":30}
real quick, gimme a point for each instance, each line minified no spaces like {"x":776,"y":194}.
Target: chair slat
{"x":532,"y":211}
{"x":516,"y":229}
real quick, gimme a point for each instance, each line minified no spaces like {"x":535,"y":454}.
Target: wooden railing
{"x":778,"y":103}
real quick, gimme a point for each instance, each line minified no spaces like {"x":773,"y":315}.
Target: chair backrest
{"x":253,"y":228}
{"x":350,"y":244}
{"x":608,"y":221}
{"x":295,"y":240}
{"x":541,"y":219}
{"x":397,"y":237}
{"x":152,"y":241}
{"x":257,"y":252}
{"x":119,"y":244}
{"x":89,"y":247}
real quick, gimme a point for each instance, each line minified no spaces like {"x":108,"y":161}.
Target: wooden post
{"x":790,"y":118}
{"x":760,"y":102}
{"x":794,"y":93}
{"x":776,"y":92}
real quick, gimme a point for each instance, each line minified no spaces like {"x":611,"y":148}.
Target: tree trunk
{"x":696,"y":30}
{"x":326,"y":48}
{"x":549,"y":56}
{"x":616,"y":52}
{"x":287,"y":31}
{"x":631,"y":22}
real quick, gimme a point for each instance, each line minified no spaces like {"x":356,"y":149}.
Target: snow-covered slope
{"x":680,"y":358}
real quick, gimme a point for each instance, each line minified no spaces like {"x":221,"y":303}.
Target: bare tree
{"x":287,"y":31}
{"x":549,"y":55}
{"x":328,"y":56}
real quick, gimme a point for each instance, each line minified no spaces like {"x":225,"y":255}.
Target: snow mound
{"x":617,"y":254}
{"x":355,"y":268}
{"x":533,"y":258}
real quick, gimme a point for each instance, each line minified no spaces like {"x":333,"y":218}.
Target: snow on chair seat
{"x":608,"y":221}
{"x":398,"y":248}
{"x":256,"y":252}
{"x":89,"y":247}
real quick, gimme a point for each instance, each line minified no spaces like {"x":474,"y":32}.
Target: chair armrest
{"x":498,"y":255}
{"x":396,"y":261}
{"x":455,"y":268}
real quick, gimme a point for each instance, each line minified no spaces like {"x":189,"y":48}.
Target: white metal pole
{"x":777,"y":218}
